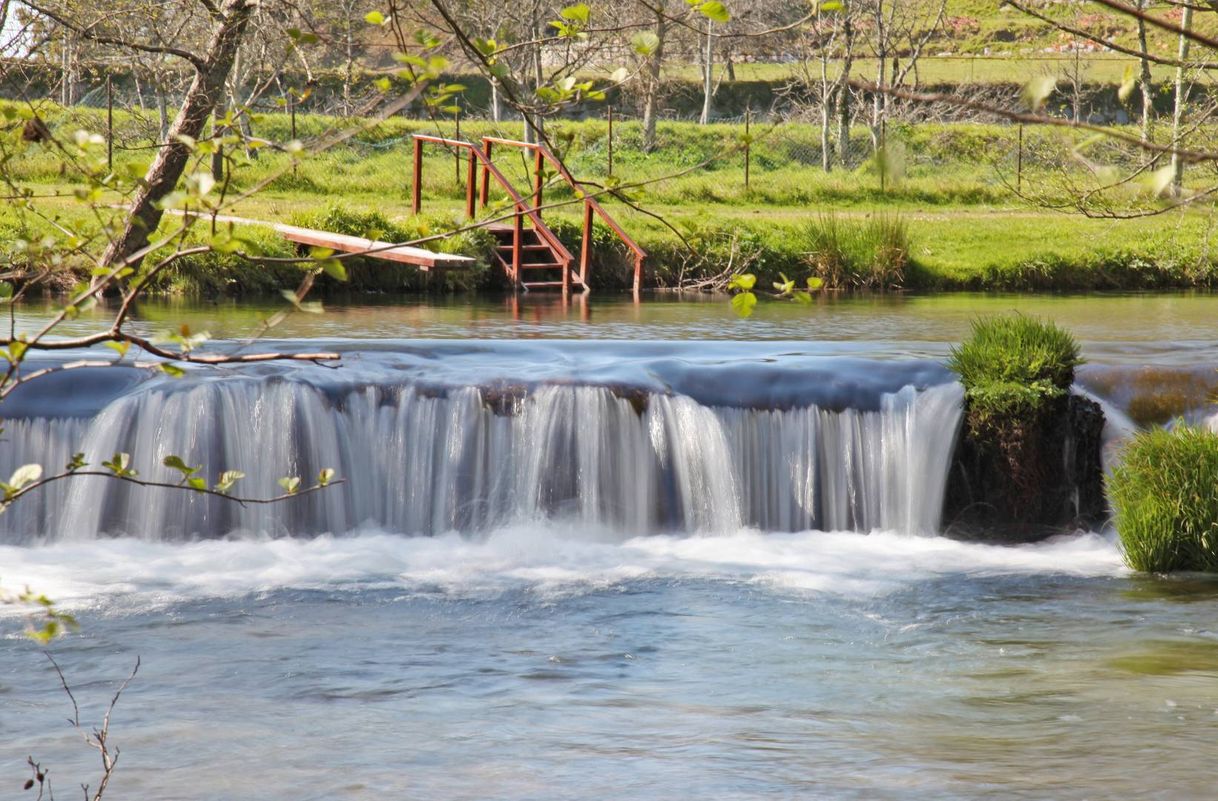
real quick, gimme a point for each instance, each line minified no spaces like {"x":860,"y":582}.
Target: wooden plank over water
{"x":422,"y":258}
{"x":371,"y":248}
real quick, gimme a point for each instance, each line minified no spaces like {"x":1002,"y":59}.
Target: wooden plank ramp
{"x":422,"y":258}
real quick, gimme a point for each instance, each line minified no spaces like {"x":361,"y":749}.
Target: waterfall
{"x":419,"y":460}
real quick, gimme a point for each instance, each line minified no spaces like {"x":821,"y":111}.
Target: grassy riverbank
{"x":965,"y":228}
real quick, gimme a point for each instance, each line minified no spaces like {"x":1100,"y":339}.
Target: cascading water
{"x":421,"y":460}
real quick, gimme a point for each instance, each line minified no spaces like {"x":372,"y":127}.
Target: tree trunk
{"x":827,"y":95}
{"x":708,"y":77}
{"x":206,"y":90}
{"x":1177,"y":117}
{"x":1148,"y":106}
{"x":162,"y":109}
{"x":496,"y":101}
{"x":843,"y":92}
{"x":652,"y":96}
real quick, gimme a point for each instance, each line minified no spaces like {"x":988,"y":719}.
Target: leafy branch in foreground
{"x":744,"y":300}
{"x":46,"y":621}
{"x":28,"y":478}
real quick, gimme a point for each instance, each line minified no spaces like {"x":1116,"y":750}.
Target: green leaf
{"x":78,"y":461}
{"x":196,"y":483}
{"x":1128,"y":81}
{"x":743,"y":281}
{"x":1037,"y":91}
{"x":714,"y":11}
{"x":120,"y":465}
{"x":172,"y":370}
{"x":6,"y":290}
{"x":325,"y":477}
{"x":16,"y":350}
{"x":744,"y":303}
{"x":830,"y":5}
{"x":645,"y":42}
{"x":1160,"y":181}
{"x":227,"y":479}
{"x":815,"y":283}
{"x":576,"y":13}
{"x":120,"y":348}
{"x":335,"y":269}
{"x":290,"y":484}
{"x":176,"y":463}
{"x":374,"y":18}
{"x":25,"y":475}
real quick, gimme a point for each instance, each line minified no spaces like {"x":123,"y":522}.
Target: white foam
{"x":547,"y":559}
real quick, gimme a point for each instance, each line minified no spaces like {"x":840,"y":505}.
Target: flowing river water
{"x":600,"y":550}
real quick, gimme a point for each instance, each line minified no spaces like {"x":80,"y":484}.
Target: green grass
{"x":964,"y":228}
{"x":1165,"y":503}
{"x":1011,"y":366}
{"x":868,"y":253}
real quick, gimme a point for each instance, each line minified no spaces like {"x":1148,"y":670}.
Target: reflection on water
{"x":1119,"y":327}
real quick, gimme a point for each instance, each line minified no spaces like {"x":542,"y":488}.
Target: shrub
{"x":872,"y":253}
{"x":1015,"y":364}
{"x":1165,"y":496}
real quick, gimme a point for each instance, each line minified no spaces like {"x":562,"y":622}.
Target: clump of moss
{"x":1165,"y":496}
{"x":1013,"y":366}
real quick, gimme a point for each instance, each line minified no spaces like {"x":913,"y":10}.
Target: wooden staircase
{"x":541,"y":265}
{"x":528,"y":251}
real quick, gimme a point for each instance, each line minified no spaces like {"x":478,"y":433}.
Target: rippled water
{"x":553,"y":660}
{"x":543,"y":662}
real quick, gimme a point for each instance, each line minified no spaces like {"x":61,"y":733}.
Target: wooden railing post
{"x":416,"y":196}
{"x":538,"y":178}
{"x":517,"y":237}
{"x":638,"y":274}
{"x":585,"y":252}
{"x":471,"y":184}
{"x":486,"y":171}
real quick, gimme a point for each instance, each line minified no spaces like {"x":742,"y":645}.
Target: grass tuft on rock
{"x":1165,"y":496}
{"x":1014,"y":364}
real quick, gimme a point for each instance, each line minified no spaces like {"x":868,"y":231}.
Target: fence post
{"x":457,"y":136}
{"x":748,"y":146}
{"x":538,"y":178}
{"x":1019,"y":163}
{"x":416,"y":193}
{"x":486,"y":172}
{"x":471,"y":185}
{"x":611,"y":141}
{"x":109,"y":122}
{"x":292,"y":117}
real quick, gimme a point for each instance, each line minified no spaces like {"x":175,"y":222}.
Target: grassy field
{"x":966,"y":227}
{"x":957,"y":68}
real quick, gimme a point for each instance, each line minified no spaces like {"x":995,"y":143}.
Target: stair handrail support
{"x":542,"y":152}
{"x":522,"y":209}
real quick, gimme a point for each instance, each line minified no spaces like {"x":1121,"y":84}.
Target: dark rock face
{"x":1022,"y":480}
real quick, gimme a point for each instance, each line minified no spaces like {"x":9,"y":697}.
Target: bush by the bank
{"x":1013,"y":365}
{"x":871,"y":253}
{"x":1165,"y":495}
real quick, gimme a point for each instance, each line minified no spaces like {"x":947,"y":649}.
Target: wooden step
{"x":540,"y":265}
{"x":534,"y":247}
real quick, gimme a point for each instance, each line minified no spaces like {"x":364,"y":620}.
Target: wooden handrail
{"x":489,"y":168}
{"x":590,"y":205}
